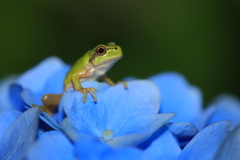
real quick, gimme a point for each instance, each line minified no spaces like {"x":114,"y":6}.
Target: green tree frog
{"x":92,"y":66}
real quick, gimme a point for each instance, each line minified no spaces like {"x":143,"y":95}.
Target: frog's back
{"x":77,"y":66}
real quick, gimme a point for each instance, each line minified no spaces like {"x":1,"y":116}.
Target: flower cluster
{"x":161,"y":117}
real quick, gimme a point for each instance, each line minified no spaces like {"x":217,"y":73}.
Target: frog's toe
{"x":43,"y":109}
{"x":85,"y":91}
{"x":124,"y":84}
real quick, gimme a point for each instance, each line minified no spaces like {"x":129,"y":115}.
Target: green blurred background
{"x":199,"y":39}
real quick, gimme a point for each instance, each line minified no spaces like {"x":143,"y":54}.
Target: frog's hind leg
{"x":111,"y":83}
{"x":50,"y":103}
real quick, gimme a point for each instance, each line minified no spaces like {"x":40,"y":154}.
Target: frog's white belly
{"x":97,"y":72}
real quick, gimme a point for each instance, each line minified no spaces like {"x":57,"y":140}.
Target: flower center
{"x":107,"y":135}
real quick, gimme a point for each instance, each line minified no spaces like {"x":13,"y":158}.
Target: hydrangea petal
{"x":206,"y":143}
{"x":130,"y":154}
{"x":182,"y":129}
{"x":72,"y":133}
{"x":177,"y":96}
{"x":230,"y":148}
{"x":29,"y":98}
{"x":45,"y":69}
{"x":228,"y":108}
{"x":52,"y":146}
{"x":128,"y":140}
{"x":14,"y":146}
{"x":5,"y":101}
{"x":99,"y":150}
{"x":139,"y":99}
{"x":94,"y":150}
{"x":164,"y":147}
{"x":202,"y":120}
{"x":15,"y":96}
{"x":149,"y":124}
{"x":6,"y":119}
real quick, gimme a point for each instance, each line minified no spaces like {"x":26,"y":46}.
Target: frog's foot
{"x":85,"y":91}
{"x":43,"y":109}
{"x":124,"y":84}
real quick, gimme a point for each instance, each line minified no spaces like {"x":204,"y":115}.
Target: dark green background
{"x":199,"y":39}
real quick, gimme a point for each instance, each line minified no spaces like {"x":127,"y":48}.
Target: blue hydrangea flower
{"x":120,"y":117}
{"x":17,"y":133}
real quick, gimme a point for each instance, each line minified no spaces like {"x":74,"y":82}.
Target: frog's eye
{"x":101,"y":50}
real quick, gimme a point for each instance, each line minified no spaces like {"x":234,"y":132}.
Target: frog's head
{"x":109,"y":53}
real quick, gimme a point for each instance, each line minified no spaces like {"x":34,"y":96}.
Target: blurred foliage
{"x":199,"y":39}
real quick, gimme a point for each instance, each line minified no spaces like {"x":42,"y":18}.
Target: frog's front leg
{"x":78,"y":87}
{"x":50,"y":103}
{"x":111,"y":83}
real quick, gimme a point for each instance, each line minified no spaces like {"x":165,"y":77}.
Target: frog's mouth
{"x":110,"y":61}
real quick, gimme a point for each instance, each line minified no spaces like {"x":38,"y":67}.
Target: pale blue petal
{"x":29,"y":98}
{"x":5,"y":101}
{"x":228,"y":108}
{"x":164,"y":147}
{"x":123,"y":105}
{"x":230,"y":148}
{"x":202,"y":120}
{"x":128,"y":140}
{"x":149,"y":124}
{"x":88,"y":149}
{"x":35,"y":78}
{"x":183,"y":131}
{"x":53,"y":146}
{"x":130,"y":154}
{"x":206,"y":143}
{"x":6,"y":119}
{"x":137,"y":135}
{"x":73,"y":134}
{"x":54,"y":84}
{"x":20,"y":135}
{"x":178,"y":96}
{"x":94,"y":150}
{"x":88,"y":118}
{"x":101,"y":87}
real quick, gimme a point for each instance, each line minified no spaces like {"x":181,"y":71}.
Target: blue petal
{"x":5,"y":102}
{"x":177,"y":96}
{"x":184,"y":131}
{"x":202,"y":120}
{"x":94,"y":150}
{"x":164,"y":147}
{"x":130,"y":154}
{"x":206,"y":143}
{"x":228,"y":108}
{"x":6,"y":119}
{"x":40,"y":74}
{"x":230,"y":148}
{"x":53,"y":145}
{"x":19,"y":135}
{"x":29,"y":98}
{"x":15,"y":96}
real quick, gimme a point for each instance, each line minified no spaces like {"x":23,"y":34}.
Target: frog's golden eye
{"x":101,"y":50}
